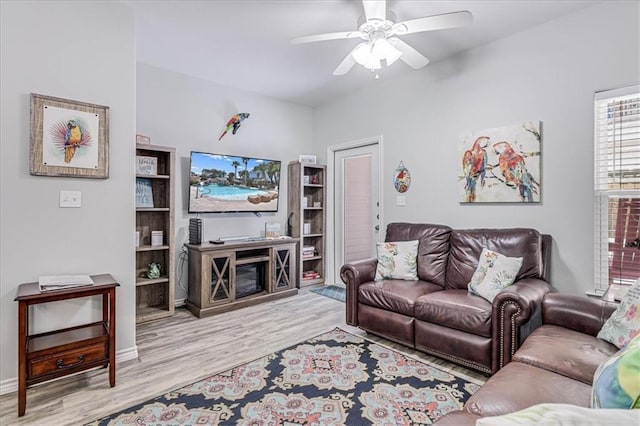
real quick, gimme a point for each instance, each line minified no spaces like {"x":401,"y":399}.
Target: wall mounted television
{"x":220,"y":183}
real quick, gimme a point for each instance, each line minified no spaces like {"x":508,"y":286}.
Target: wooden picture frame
{"x":68,"y":138}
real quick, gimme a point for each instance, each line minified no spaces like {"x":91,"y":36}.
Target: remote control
{"x":216,"y":241}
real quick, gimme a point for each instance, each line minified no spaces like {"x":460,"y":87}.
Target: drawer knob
{"x":60,"y":363}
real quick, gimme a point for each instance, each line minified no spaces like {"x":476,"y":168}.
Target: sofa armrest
{"x":579,"y":313}
{"x":516,"y":312}
{"x":354,"y":274}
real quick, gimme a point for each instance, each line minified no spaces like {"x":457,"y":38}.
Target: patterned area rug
{"x":332,"y":291}
{"x":336,"y":378}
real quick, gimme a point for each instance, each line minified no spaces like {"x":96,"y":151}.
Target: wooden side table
{"x":57,"y":353}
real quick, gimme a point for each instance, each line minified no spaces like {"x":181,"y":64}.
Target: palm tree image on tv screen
{"x":221,"y":183}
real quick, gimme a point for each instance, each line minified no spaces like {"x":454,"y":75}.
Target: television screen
{"x":221,"y":183}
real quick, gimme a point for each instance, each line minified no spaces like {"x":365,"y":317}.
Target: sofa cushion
{"x":616,"y":383}
{"x":624,"y":323}
{"x":397,"y":260}
{"x":494,"y":272}
{"x":394,"y":295}
{"x":564,"y":351}
{"x":517,"y":386}
{"x":466,"y":247}
{"x":456,"y":309}
{"x":433,"y":249}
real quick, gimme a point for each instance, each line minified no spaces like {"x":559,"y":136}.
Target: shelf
{"x":151,"y":248}
{"x":63,"y":337}
{"x":147,"y":281}
{"x":306,"y":205}
{"x":150,"y":313}
{"x":153,"y":209}
{"x":153,"y":177}
{"x":311,"y":258}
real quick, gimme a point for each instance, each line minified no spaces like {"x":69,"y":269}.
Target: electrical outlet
{"x":401,"y":200}
{"x":70,"y":199}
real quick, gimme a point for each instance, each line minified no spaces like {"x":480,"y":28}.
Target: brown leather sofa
{"x":437,"y":314}
{"x":555,"y":364}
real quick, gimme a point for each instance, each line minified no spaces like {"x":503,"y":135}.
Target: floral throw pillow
{"x":397,"y":260}
{"x":616,"y":382}
{"x":495,"y":271}
{"x":624,"y":324}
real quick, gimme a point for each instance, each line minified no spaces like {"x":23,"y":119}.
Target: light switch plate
{"x":70,"y":199}
{"x":401,"y":200}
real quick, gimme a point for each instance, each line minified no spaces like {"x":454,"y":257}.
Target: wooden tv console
{"x":228,"y":276}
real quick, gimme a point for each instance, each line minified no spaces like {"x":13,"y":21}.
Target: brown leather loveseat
{"x":556,"y":363}
{"x":437,"y":314}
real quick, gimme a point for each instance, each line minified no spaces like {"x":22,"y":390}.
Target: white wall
{"x":190,"y":114}
{"x":92,"y":60}
{"x":547,"y":73}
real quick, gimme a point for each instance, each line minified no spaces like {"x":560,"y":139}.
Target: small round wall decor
{"x":401,"y":178}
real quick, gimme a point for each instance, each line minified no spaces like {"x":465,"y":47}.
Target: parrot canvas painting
{"x":69,"y":138}
{"x":501,"y":165}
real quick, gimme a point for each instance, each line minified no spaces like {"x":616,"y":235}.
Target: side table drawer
{"x":61,"y":361}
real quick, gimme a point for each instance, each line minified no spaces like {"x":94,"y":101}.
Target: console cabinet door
{"x":219,"y":272}
{"x":284,"y":267}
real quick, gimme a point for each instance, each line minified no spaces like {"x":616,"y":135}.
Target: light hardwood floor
{"x":183,"y":349}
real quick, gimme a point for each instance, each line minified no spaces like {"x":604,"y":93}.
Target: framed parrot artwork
{"x":501,"y":165}
{"x":68,"y":138}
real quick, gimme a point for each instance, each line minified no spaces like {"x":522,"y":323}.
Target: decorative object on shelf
{"x":501,"y":165}
{"x":153,"y":271}
{"x":305,"y":179}
{"x":144,"y":193}
{"x":234,"y":123}
{"x":307,"y":159}
{"x":317,"y":204}
{"x":306,"y":228}
{"x":314,"y":180}
{"x":401,"y":178}
{"x":142,"y":139}
{"x":157,"y":238}
{"x":137,"y":239}
{"x":272,"y":230}
{"x":68,"y":138}
{"x":380,"y":31}
{"x":146,"y":165}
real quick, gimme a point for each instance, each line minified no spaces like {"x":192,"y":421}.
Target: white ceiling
{"x":245,"y":43}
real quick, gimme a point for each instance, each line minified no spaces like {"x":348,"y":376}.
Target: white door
{"x":356,"y":204}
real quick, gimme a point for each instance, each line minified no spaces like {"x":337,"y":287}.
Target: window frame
{"x":604,"y":193}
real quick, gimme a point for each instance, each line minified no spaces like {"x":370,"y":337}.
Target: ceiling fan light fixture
{"x":382,"y":49}
{"x":362,"y":55}
{"x":370,"y":54}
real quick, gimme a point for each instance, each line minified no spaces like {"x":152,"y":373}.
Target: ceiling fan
{"x":380,"y":41}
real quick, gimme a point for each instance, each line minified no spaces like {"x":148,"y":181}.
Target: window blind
{"x":617,"y":186}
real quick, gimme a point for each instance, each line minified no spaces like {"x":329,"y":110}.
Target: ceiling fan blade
{"x":435,"y":22}
{"x":411,"y":56}
{"x":375,"y":9}
{"x":345,"y":65}
{"x":327,"y":36}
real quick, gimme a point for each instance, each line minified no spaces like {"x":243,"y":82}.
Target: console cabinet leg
{"x":22,"y":358}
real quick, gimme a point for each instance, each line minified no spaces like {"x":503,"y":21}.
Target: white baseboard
{"x":8,"y":386}
{"x":11,"y":385}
